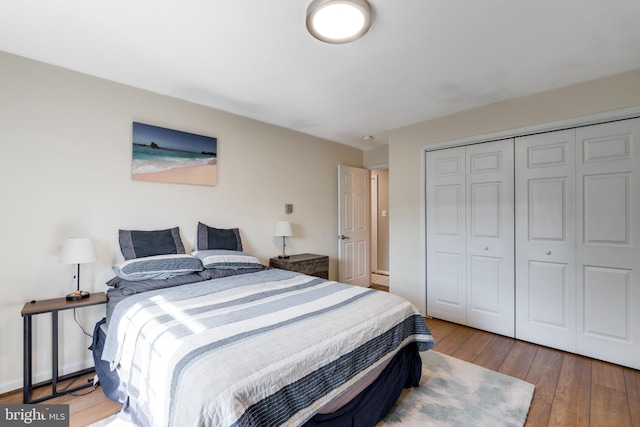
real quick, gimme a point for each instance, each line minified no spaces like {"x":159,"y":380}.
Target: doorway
{"x":380,"y":228}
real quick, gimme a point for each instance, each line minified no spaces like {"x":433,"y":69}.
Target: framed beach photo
{"x":166,"y":155}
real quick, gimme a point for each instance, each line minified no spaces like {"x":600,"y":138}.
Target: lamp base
{"x":77,"y":295}
{"x":283,"y":256}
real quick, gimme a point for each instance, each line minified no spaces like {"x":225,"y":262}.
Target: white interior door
{"x":353,"y":225}
{"x":446,"y":235}
{"x":546,"y":239}
{"x":608,"y":251}
{"x":490,"y":237}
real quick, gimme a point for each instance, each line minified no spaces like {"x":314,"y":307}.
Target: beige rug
{"x":451,"y":393}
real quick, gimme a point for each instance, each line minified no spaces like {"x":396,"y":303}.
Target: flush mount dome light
{"x":338,"y":21}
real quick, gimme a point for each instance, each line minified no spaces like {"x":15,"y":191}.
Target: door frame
{"x":586,"y":120}
{"x":373,"y":201}
{"x":373,"y":209}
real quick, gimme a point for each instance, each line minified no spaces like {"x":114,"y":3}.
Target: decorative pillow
{"x":138,"y":244}
{"x":223,"y":259}
{"x":218,"y":238}
{"x":157,"y":267}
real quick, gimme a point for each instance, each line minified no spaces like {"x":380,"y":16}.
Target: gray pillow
{"x":218,"y":238}
{"x":138,"y":244}
{"x":157,"y":267}
{"x":224,"y":259}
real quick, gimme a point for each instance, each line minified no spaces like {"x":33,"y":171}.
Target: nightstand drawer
{"x":311,"y":264}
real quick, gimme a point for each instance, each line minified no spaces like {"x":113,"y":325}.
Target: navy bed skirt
{"x":109,"y":379}
{"x":374,"y":402}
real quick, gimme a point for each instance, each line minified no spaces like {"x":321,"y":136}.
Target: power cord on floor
{"x":72,"y":382}
{"x":95,"y":386}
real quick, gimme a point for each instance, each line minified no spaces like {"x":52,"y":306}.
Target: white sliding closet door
{"x":546,"y":239}
{"x":608,"y":250}
{"x":490,"y":237}
{"x":446,"y":235}
{"x":470,"y":253}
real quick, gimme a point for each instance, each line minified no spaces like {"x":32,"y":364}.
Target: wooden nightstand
{"x":52,"y":306}
{"x":311,"y":264}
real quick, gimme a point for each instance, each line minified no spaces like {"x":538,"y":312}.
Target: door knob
{"x":343,"y":237}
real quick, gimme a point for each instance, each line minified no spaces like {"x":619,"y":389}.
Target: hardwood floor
{"x":85,"y":406}
{"x":570,"y":390}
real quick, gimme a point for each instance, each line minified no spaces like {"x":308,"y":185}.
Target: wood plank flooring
{"x":570,"y":390}
{"x":85,"y":407}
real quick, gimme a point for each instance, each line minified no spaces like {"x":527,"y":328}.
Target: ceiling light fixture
{"x":338,"y":21}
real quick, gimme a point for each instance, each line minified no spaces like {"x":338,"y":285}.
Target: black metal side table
{"x":52,"y":306}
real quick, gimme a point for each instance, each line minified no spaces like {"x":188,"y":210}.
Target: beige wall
{"x":65,"y":170}
{"x":407,"y":263}
{"x":376,"y":157}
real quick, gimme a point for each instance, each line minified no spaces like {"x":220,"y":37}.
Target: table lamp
{"x":78,"y":250}
{"x":283,"y":229}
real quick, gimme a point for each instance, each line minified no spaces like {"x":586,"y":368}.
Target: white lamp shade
{"x":78,"y":250}
{"x":283,"y":229}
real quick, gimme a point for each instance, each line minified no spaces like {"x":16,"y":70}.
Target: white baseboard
{"x":16,"y":384}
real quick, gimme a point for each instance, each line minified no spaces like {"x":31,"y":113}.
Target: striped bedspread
{"x":262,"y":349}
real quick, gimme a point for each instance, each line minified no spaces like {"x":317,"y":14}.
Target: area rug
{"x":451,"y":393}
{"x":457,"y":393}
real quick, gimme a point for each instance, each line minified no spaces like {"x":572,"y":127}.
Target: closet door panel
{"x":547,"y":200}
{"x":548,"y":299}
{"x":484,"y":274}
{"x":545,"y":239}
{"x":446,"y":235}
{"x":613,"y":286}
{"x":602,"y":224}
{"x":608,"y":249}
{"x":490,"y":245}
{"x":485,"y":211}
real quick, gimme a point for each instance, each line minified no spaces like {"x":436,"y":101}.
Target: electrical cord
{"x":75,"y":379}
{"x":85,"y":393}
{"x":72,"y":382}
{"x":81,"y":327}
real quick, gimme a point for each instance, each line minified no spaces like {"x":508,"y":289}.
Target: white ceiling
{"x":421,"y":58}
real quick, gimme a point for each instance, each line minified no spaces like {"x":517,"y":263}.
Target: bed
{"x":247,"y":345}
